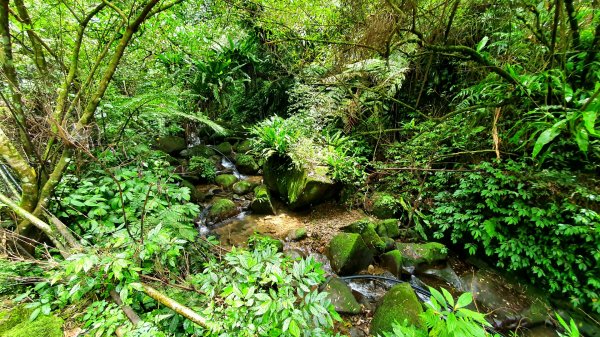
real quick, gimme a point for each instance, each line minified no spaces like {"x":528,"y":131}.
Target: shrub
{"x":204,"y":167}
{"x":263,"y":293}
{"x":542,"y":223}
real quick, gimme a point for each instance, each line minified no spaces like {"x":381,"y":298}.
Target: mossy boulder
{"x":242,"y":187}
{"x":298,"y":187}
{"x":340,"y":295}
{"x":415,"y":254}
{"x":222,"y":209}
{"x":392,"y":262}
{"x":349,"y":254}
{"x":369,"y":231}
{"x":400,"y":303}
{"x":224,"y":148}
{"x":261,"y":204}
{"x":198,"y":151}
{"x":243,"y":146}
{"x":226,"y":180}
{"x":246,"y":164}
{"x":388,"y":228}
{"x":383,"y":205}
{"x":16,"y":323}
{"x":170,"y":144}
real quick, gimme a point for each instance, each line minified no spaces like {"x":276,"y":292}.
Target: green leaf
{"x":448,"y":296}
{"x":294,"y":329}
{"x":582,"y":139}
{"x":464,"y":300}
{"x":438,"y":296}
{"x":547,"y":136}
{"x":589,"y":120}
{"x":482,"y":43}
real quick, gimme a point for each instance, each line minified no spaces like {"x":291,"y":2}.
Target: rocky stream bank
{"x":379,"y":271}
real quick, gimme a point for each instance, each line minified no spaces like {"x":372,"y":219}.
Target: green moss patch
{"x":399,"y":304}
{"x":349,"y":253}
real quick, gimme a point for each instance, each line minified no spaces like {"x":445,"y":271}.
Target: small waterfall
{"x":231,"y":166}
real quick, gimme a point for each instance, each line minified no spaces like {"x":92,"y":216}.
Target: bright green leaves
{"x":547,"y":136}
{"x":464,"y":300}
{"x":262,"y":293}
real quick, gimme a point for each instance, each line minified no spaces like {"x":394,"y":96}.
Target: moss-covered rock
{"x":340,"y":295}
{"x":392,"y":262}
{"x":298,"y":187}
{"x":222,"y":209}
{"x":388,"y":228}
{"x":373,"y":240}
{"x":297,"y":234}
{"x":415,"y":254}
{"x":246,"y":164}
{"x":398,"y":304}
{"x":198,"y":151}
{"x":224,"y":148}
{"x":170,"y":144}
{"x":349,"y":254}
{"x":383,"y":205}
{"x":243,"y":146}
{"x":16,"y":323}
{"x":226,"y":180}
{"x":261,"y":204}
{"x":242,"y":187}
{"x":358,"y":226}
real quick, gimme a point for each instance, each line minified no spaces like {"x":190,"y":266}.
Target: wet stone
{"x":341,"y":296}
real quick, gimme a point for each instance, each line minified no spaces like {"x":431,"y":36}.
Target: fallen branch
{"x":175,"y":306}
{"x":133,"y":317}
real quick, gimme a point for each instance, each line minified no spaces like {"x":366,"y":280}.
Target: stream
{"x":513,"y":305}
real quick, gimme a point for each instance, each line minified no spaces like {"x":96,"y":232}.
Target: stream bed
{"x":512,"y":305}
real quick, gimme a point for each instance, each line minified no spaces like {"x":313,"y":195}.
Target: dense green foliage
{"x":473,"y":122}
{"x":527,"y":220}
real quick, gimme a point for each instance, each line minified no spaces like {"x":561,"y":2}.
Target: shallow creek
{"x":512,"y":305}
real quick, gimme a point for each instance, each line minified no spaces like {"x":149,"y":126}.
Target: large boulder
{"x":242,"y":187}
{"x":226,"y":180}
{"x":349,"y":254}
{"x":298,"y":187}
{"x":224,"y":148}
{"x":399,"y":304}
{"x":243,"y":146}
{"x":246,"y":164}
{"x":422,"y":254}
{"x":340,"y":295}
{"x":171,"y":144}
{"x":261,"y":204}
{"x":222,"y":209}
